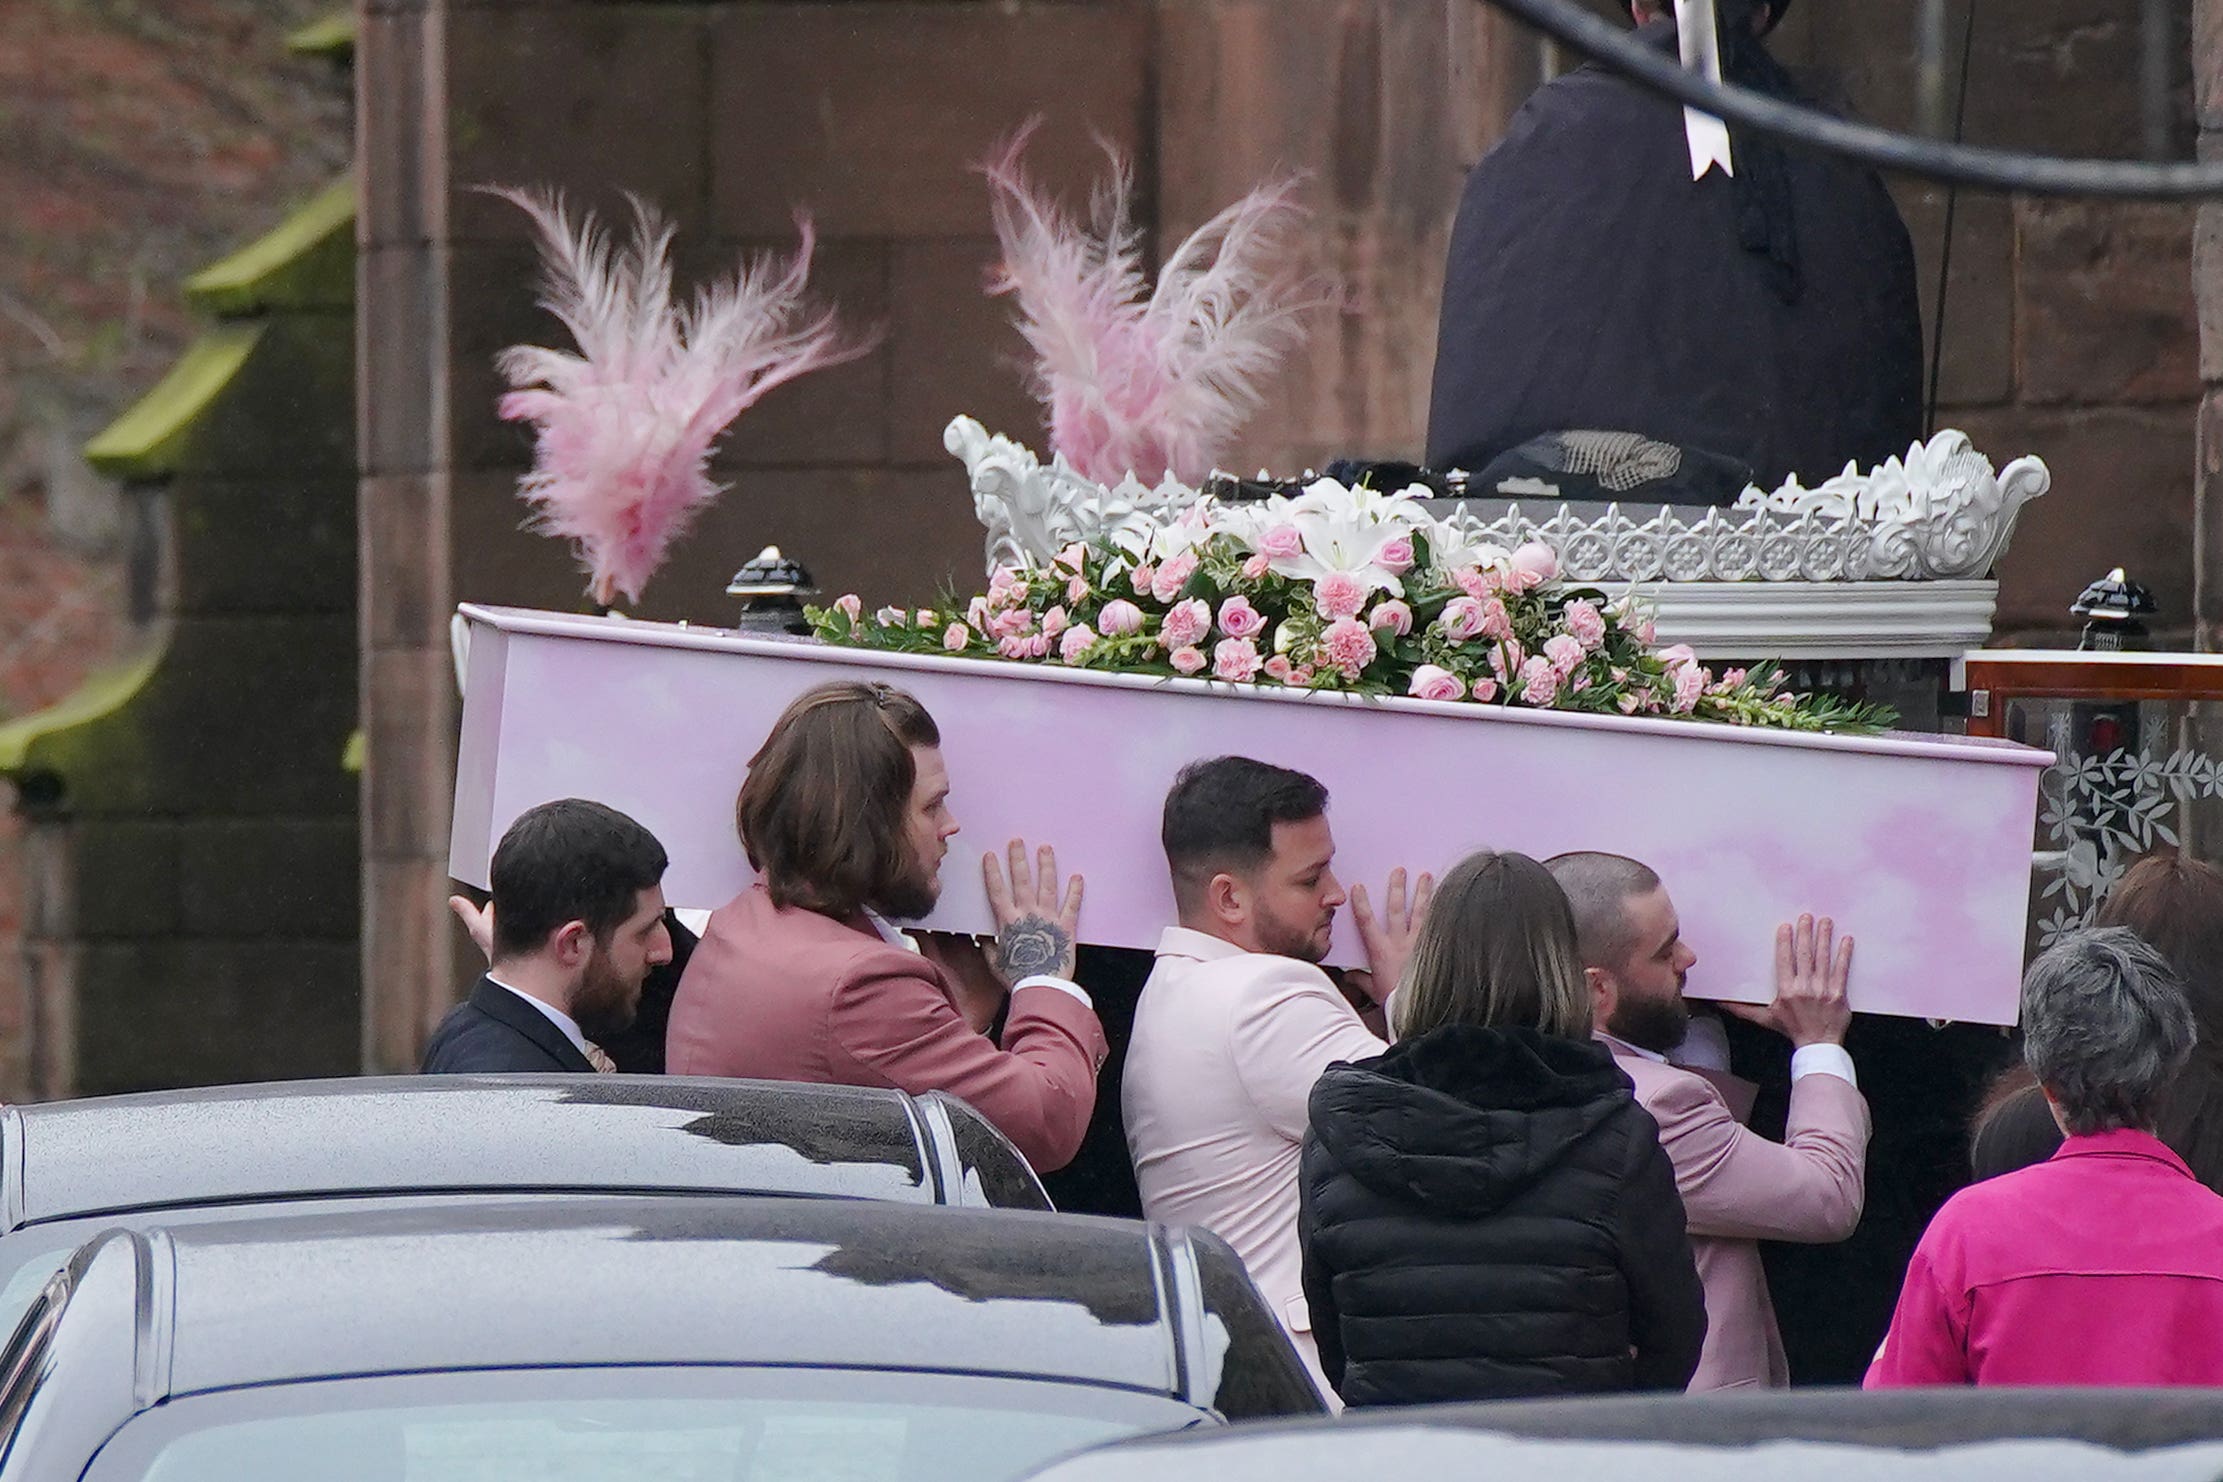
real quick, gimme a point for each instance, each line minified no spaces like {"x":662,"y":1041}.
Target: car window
{"x":630,"y":1425}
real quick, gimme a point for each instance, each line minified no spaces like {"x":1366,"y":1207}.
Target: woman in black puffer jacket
{"x":1487,"y":1211}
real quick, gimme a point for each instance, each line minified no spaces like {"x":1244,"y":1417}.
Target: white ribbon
{"x":1707,"y":135}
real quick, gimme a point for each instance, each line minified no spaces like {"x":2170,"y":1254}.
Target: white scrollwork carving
{"x":1940,"y":513}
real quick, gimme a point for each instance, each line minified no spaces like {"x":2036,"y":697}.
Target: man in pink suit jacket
{"x":2103,"y":1265}
{"x":1238,"y":1020}
{"x":1738,"y":1188}
{"x":845,"y":814}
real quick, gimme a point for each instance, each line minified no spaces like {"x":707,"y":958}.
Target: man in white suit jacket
{"x":1238,"y":1020}
{"x":1738,"y":1188}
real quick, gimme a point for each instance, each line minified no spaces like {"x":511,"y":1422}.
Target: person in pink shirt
{"x":2104,"y":1264}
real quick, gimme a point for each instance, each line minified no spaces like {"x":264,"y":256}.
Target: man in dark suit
{"x":578,"y":924}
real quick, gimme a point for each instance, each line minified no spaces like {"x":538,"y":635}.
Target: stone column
{"x":2207,"y":284}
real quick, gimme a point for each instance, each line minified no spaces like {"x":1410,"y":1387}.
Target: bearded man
{"x":1689,"y":334}
{"x":577,"y":925}
{"x":1738,"y":1188}
{"x":845,"y":815}
{"x":1238,"y":1019}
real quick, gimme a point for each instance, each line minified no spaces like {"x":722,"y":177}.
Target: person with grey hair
{"x":2104,"y":1264}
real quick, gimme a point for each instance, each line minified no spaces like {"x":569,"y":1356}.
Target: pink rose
{"x":1477,"y":581}
{"x":1055,"y":622}
{"x":849,"y":605}
{"x":1011,"y":622}
{"x":891,"y":617}
{"x":1563,"y":651}
{"x":1433,"y":683}
{"x":1235,"y":660}
{"x":1076,"y":590}
{"x":927,"y":617}
{"x":1534,"y":564}
{"x":1349,"y":645}
{"x":1256,"y":567}
{"x":1301,"y":675}
{"x":1628,"y":704}
{"x":1238,"y":619}
{"x":1073,"y":556}
{"x":1690,"y":683}
{"x":1586,"y":623}
{"x":1462,"y":619}
{"x":1172,"y":577}
{"x":956,"y":636}
{"x":1012,"y":646}
{"x":1038,"y":646}
{"x":1077,"y":641}
{"x":1141,"y":577}
{"x":1000,"y":583}
{"x":976,"y":612}
{"x":1496,"y":621}
{"x":1733,"y":679}
{"x":1485,"y":690}
{"x":1186,"y":623}
{"x":1188,"y":659}
{"x":1119,"y":619}
{"x":1280,"y":542}
{"x":1396,"y":555}
{"x":1339,"y":595}
{"x":1393,"y":615}
{"x":1679,"y":655}
{"x":1276,"y":667}
{"x":1539,"y":682}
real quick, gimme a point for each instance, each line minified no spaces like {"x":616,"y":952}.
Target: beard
{"x":1280,"y":939}
{"x":909,"y":898}
{"x":1655,"y":1024}
{"x":605,"y":1003}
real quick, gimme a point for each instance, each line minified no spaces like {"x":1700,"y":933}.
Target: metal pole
{"x":1929,"y":68}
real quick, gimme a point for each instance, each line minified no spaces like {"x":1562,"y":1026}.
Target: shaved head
{"x":1600,"y":887}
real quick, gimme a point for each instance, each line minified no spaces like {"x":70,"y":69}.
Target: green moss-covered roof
{"x":306,"y":261}
{"x":144,"y":443}
{"x":333,"y":37}
{"x":35,"y":742}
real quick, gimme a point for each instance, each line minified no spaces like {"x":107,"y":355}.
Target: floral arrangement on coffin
{"x":1339,"y":589}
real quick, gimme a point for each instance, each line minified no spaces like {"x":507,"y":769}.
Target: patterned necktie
{"x":599,"y":1058}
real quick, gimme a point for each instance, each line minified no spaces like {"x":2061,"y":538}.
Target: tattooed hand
{"x":1034,"y":926}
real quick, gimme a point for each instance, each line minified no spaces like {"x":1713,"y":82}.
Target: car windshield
{"x":629,"y":1425}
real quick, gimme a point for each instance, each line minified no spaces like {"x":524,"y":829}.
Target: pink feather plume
{"x":625,"y":425}
{"x":1144,"y":378}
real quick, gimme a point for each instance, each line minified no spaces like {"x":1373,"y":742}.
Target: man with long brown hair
{"x":845,"y":816}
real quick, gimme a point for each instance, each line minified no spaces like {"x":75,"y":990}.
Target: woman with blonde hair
{"x":1486,"y":1209}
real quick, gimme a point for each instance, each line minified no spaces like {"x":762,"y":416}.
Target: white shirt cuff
{"x":1044,"y":980}
{"x":1823,"y":1060}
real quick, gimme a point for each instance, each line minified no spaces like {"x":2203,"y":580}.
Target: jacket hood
{"x":1463,"y":1118}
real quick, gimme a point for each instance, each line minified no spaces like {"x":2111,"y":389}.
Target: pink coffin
{"x":1919,"y":846}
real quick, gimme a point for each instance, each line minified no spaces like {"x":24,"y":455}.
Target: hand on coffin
{"x":1034,"y":923}
{"x":478,"y":921}
{"x":973,"y":985}
{"x":1810,"y":1005}
{"x":1388,"y":939}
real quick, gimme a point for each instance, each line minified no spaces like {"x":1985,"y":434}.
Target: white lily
{"x":1345,"y":530}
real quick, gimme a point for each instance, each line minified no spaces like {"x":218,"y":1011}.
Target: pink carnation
{"x":1238,"y":619}
{"x":1496,"y":621}
{"x":1076,"y":641}
{"x":1236,"y":660}
{"x":1256,"y":567}
{"x":1506,"y":659}
{"x":1396,"y":555}
{"x":1462,"y":619}
{"x":1433,"y":683}
{"x":1393,"y":615}
{"x":849,"y":605}
{"x":1586,"y":623}
{"x":1349,"y":645}
{"x":1172,"y":577}
{"x":1055,"y":622}
{"x":1119,"y":619}
{"x":956,"y":636}
{"x":1141,"y":578}
{"x":1534,"y":564}
{"x":1186,"y":623}
{"x":1339,"y":595}
{"x":1539,"y":681}
{"x":1189,"y":659}
{"x":1690,"y":683}
{"x":1562,"y":650}
{"x":1280,"y":542}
